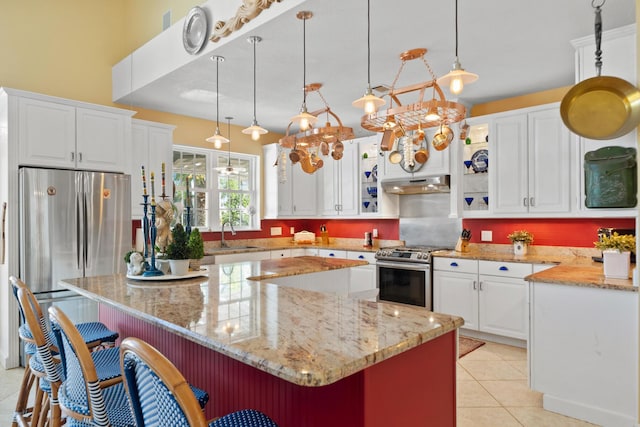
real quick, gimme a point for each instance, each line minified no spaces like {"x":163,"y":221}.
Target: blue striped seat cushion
{"x":244,"y":418}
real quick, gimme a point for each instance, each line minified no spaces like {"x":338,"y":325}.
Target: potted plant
{"x":196,"y":249}
{"x":178,"y":251}
{"x":616,"y":253}
{"x":521,"y":240}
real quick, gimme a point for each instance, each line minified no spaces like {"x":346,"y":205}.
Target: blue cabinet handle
{"x":454,"y":264}
{"x":503,"y":268}
{"x":332,"y":254}
{"x":360,"y":256}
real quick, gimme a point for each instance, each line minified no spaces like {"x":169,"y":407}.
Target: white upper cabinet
{"x":289,"y":191}
{"x":151,"y":145}
{"x":338,"y":183}
{"x":531,"y":173}
{"x":618,"y":60}
{"x":55,"y":132}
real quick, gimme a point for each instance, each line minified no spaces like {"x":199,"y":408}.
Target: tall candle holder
{"x":145,"y":225}
{"x":187,"y":220}
{"x":152,"y":270}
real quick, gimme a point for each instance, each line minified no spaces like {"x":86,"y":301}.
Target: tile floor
{"x":492,"y":391}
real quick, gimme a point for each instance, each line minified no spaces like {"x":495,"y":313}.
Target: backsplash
{"x":574,"y":232}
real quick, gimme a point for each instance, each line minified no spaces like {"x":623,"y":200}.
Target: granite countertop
{"x":573,"y":266}
{"x":307,"y":338}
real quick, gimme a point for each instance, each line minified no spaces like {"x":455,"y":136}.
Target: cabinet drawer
{"x":505,"y":269}
{"x":455,"y":264}
{"x":332,"y":253}
{"x":370,"y":257}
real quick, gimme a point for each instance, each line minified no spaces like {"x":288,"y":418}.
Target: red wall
{"x":576,"y":232}
{"x":350,"y":228}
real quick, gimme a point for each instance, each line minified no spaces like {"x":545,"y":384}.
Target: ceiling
{"x":516,"y":47}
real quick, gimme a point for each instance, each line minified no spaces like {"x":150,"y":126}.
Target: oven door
{"x":405,"y":283}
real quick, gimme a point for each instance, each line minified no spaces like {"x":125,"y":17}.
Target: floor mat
{"x":467,"y":345}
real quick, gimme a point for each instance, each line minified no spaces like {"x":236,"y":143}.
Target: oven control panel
{"x":405,"y":255}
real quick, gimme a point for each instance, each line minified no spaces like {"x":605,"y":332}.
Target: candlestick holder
{"x":187,"y":220}
{"x":145,"y":225}
{"x":152,"y":270}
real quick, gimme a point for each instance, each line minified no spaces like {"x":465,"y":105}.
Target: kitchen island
{"x":304,"y":358}
{"x":583,"y":345}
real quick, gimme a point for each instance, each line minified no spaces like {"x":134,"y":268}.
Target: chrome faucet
{"x":233,"y":233}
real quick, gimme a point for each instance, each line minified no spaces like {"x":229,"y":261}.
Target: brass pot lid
{"x":601,"y":108}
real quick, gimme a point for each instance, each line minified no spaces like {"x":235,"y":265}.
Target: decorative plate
{"x":374,"y":173}
{"x":194,"y":31}
{"x":480,"y":161}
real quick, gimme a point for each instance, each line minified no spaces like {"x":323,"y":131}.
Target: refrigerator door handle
{"x":78,"y":231}
{"x":85,"y":234}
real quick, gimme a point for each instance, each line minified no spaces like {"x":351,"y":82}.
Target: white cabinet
{"x":583,"y":352}
{"x":151,"y":145}
{"x":491,"y":296}
{"x":331,"y":253}
{"x":241,"y":256}
{"x":289,"y":191}
{"x":363,"y":277}
{"x":54,"y":132}
{"x":619,"y":60}
{"x":473,"y":169}
{"x":338,"y":183}
{"x":280,"y":253}
{"x":530,"y":171}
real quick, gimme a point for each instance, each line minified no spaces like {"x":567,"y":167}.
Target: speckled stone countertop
{"x":307,"y":338}
{"x":257,"y":245}
{"x":573,"y":266}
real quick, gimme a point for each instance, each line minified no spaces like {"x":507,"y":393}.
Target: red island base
{"x":414,"y":388}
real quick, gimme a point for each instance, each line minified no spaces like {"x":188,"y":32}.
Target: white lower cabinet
{"x":491,"y":296}
{"x":332,"y":253}
{"x":363,"y":277}
{"x":242,"y":256}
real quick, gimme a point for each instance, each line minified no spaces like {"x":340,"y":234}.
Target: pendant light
{"x":255,"y":130}
{"x":228,"y":169}
{"x":457,"y":77}
{"x":369,"y":102}
{"x":304,"y":120}
{"x":217,"y":139}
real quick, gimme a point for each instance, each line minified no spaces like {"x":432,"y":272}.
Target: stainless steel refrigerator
{"x":72,"y":224}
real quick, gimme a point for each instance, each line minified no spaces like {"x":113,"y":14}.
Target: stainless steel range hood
{"x":426,"y":185}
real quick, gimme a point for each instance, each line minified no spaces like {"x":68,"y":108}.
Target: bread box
{"x":304,"y":237}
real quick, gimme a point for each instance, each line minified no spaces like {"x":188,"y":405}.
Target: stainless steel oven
{"x":404,"y":275}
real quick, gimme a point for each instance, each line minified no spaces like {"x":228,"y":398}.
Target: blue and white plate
{"x":480,"y":161}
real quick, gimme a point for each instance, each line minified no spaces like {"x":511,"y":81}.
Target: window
{"x":216,"y":197}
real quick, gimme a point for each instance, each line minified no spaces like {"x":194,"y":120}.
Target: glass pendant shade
{"x":255,"y":130}
{"x":457,"y":78}
{"x":304,"y":120}
{"x":217,"y":139}
{"x":369,"y":102}
{"x":228,"y":169}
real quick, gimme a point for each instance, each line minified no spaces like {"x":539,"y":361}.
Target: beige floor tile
{"x":485,"y":417}
{"x":513,"y":393}
{"x":472,"y":394}
{"x":462,"y":374}
{"x":507,"y":352}
{"x":538,"y":417}
{"x":481,"y":353}
{"x":520,"y":365}
{"x":10,"y":380}
{"x":492,"y":370}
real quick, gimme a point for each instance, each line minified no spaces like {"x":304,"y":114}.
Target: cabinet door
{"x":508,"y":173}
{"x":46,"y":133}
{"x":139,"y":155}
{"x":349,"y":179}
{"x":549,"y":162}
{"x":303,"y":192}
{"x":101,"y":138}
{"x":503,"y":306}
{"x":457,"y":294}
{"x":328,"y":188}
{"x":363,"y":278}
{"x":285,"y":195}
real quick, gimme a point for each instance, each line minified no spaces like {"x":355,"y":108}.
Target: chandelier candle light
{"x":255,"y":130}
{"x":457,"y":77}
{"x":217,"y":139}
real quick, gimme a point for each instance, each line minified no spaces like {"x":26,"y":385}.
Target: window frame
{"x":213,"y":192}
